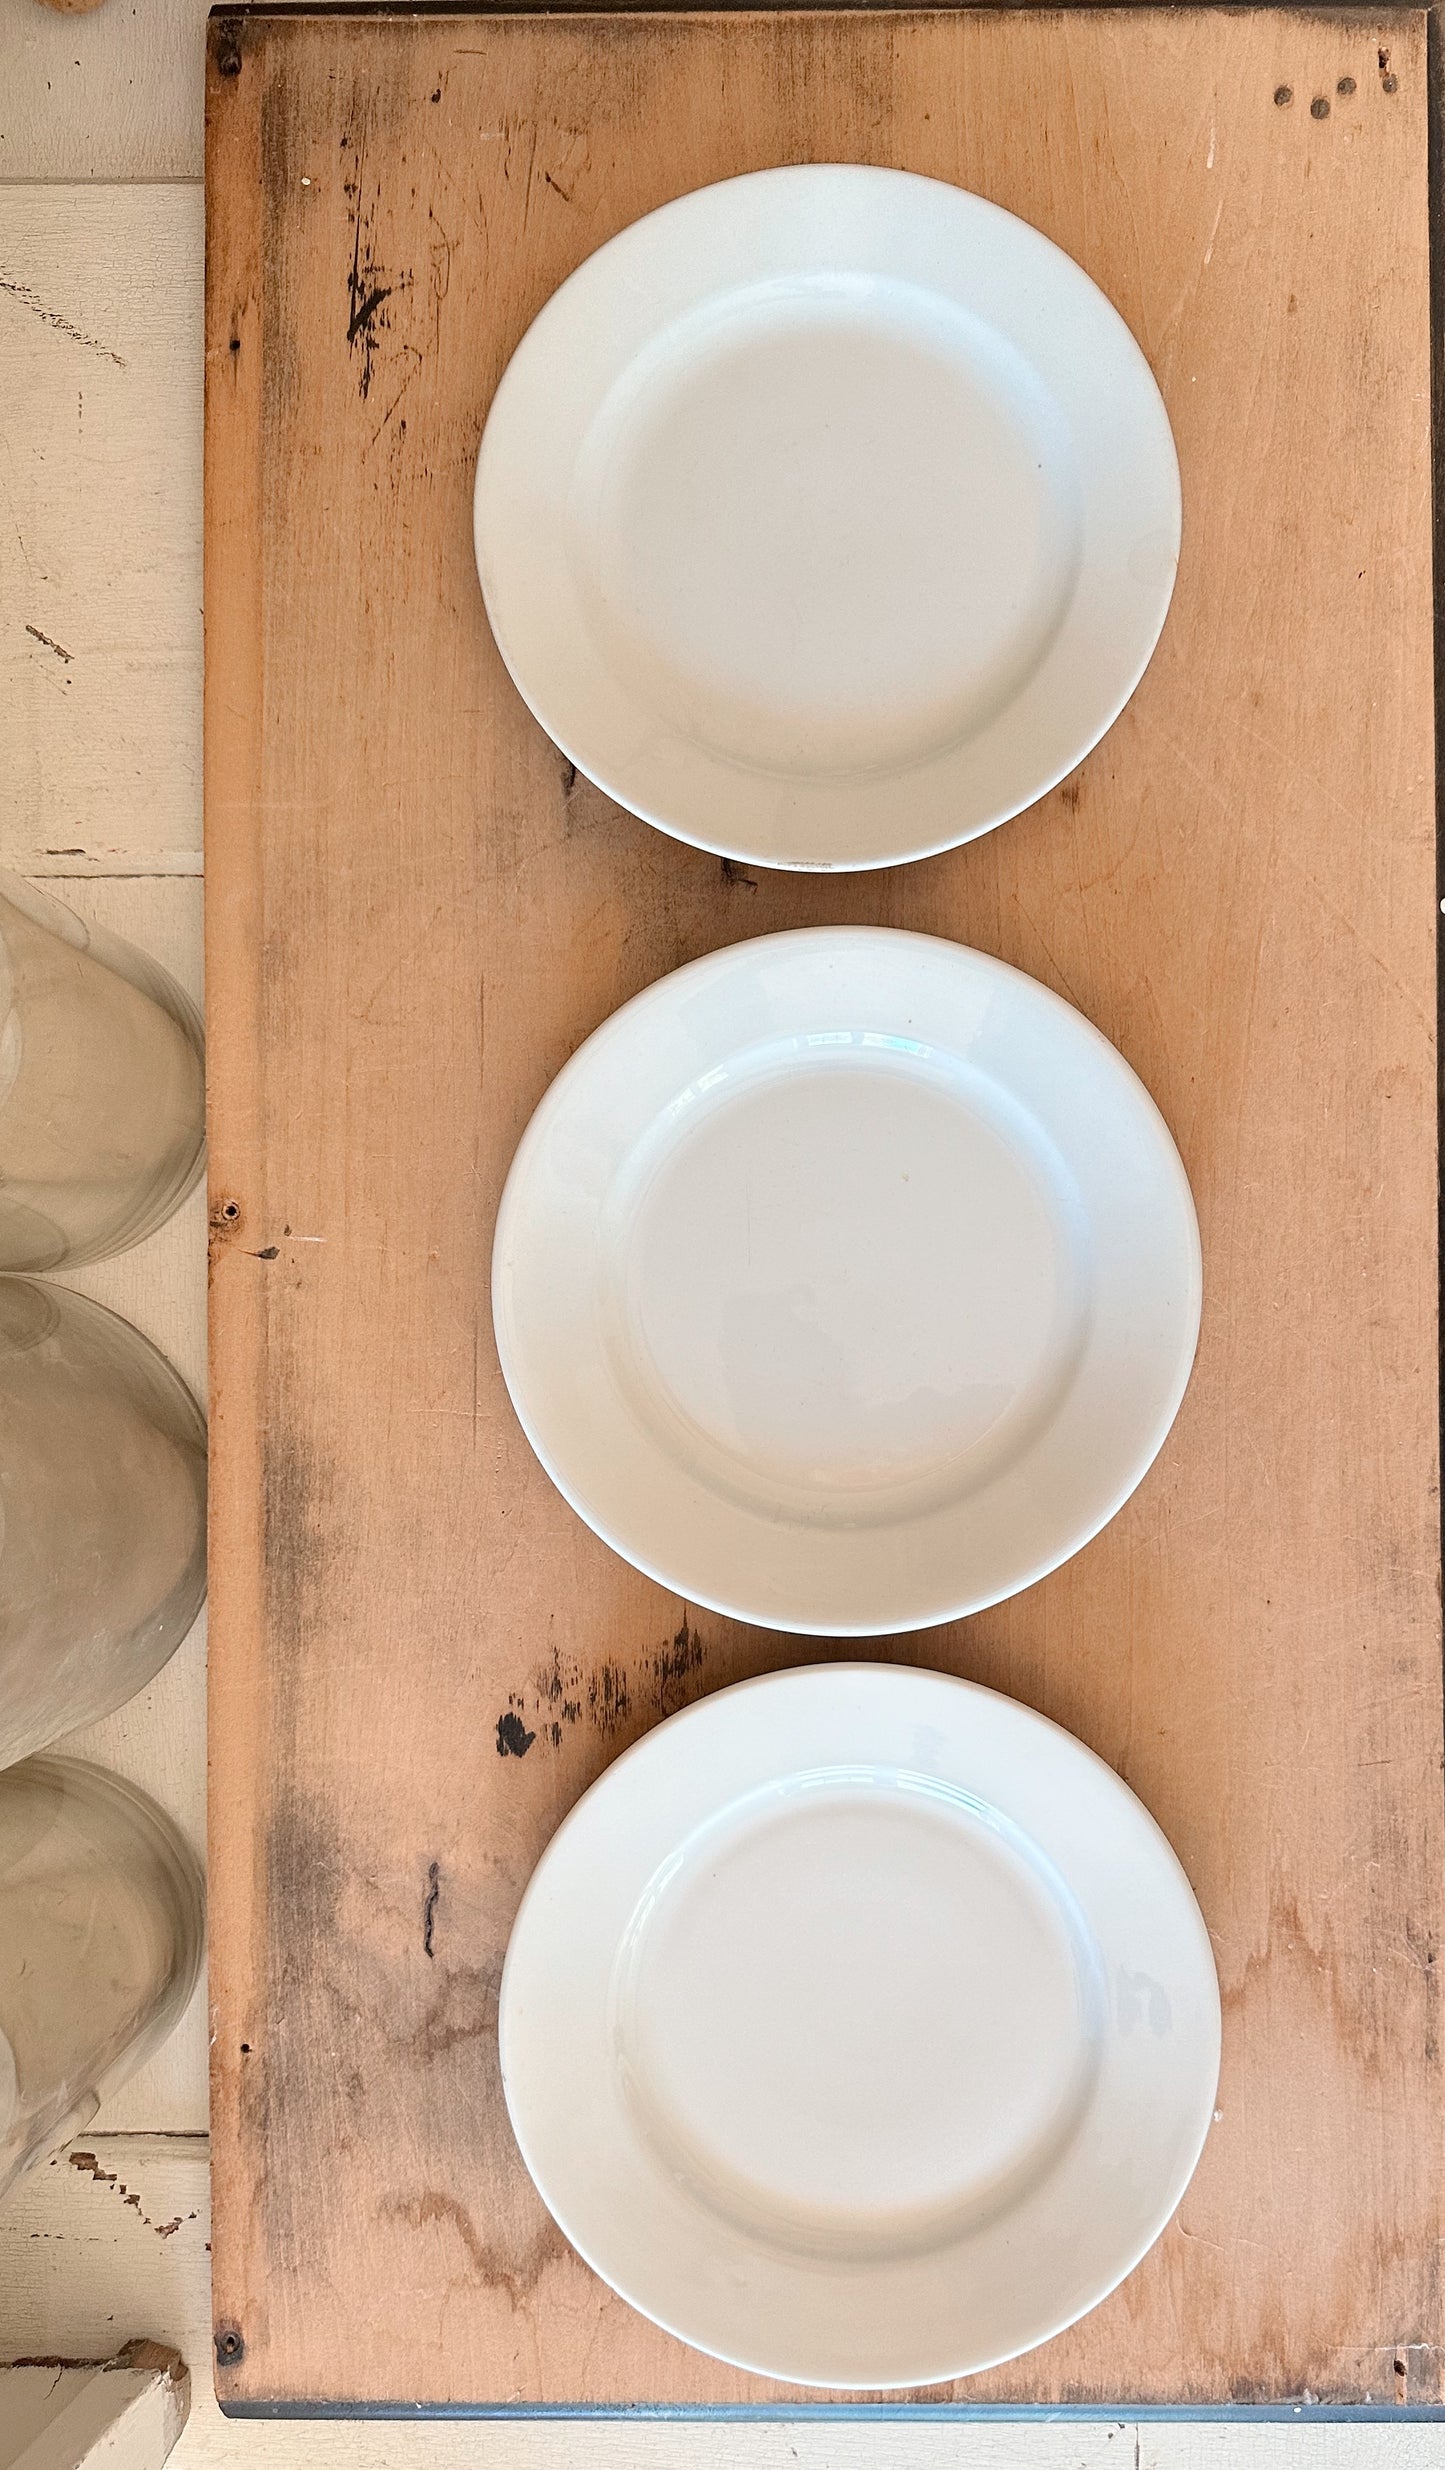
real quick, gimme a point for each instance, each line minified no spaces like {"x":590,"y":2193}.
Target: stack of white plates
{"x":858,"y":2025}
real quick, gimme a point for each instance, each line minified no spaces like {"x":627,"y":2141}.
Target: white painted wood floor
{"x":100,"y":784}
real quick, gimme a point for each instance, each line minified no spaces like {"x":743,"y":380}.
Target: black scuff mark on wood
{"x":49,"y":642}
{"x":734,"y":875}
{"x":368,"y":285}
{"x":513,"y":1738}
{"x":429,"y":1909}
{"x":609,"y":1697}
{"x":620,"y":1693}
{"x":55,"y":321}
{"x":228,"y":47}
{"x":675,"y":1666}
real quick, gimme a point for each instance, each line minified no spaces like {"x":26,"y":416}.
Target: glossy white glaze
{"x":846,"y":1281}
{"x":860,"y":2027}
{"x":827,"y":516}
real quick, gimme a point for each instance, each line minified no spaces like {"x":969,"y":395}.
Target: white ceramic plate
{"x":846,"y":1281}
{"x":860,"y":2027}
{"x":828,"y":516}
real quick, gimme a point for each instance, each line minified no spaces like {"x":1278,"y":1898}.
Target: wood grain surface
{"x":416,"y":911}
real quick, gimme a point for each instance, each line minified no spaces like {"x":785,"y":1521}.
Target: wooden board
{"x":416,"y":912}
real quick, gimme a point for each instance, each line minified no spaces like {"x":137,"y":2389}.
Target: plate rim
{"x":828,"y":1673}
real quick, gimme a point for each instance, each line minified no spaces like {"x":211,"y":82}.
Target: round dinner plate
{"x":827,"y":516}
{"x":846,"y":1281}
{"x":860,"y":2027}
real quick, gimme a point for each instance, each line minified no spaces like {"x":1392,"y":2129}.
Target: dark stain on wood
{"x":615,"y":1695}
{"x":513,"y":1738}
{"x":673,"y":1669}
{"x":492,"y":2264}
{"x":463,"y":2009}
{"x":300,"y":1538}
{"x":609,"y":1697}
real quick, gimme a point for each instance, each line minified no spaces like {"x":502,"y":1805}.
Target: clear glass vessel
{"x":102,"y":1087}
{"x":101,"y":1932}
{"x":102,"y":1512}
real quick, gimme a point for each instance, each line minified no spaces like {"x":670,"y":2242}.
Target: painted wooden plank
{"x":124,"y":2415}
{"x":29,"y":2400}
{"x":115,"y":95}
{"x":1238,"y":887}
{"x":100,"y":516}
{"x":105,"y":2243}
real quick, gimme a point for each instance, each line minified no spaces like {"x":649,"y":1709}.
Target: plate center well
{"x":830,"y":523}
{"x":852,"y":1274}
{"x":854,"y":2011}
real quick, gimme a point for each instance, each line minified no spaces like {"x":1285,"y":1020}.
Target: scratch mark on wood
{"x":416,"y":362}
{"x":53,"y":319}
{"x":61,"y":654}
{"x":429,"y":1909}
